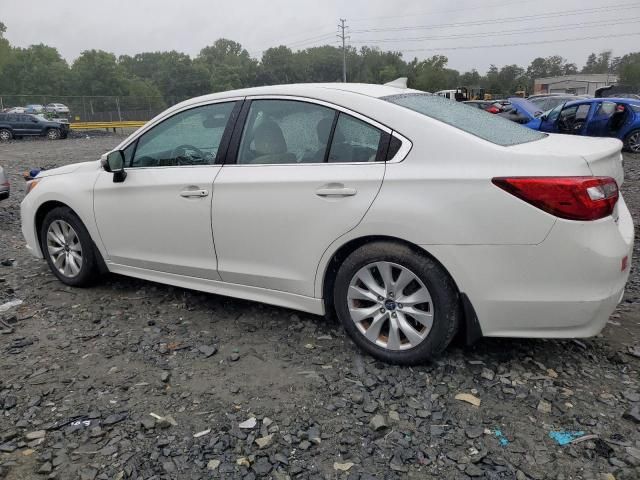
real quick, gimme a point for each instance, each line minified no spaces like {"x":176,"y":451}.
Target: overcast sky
{"x":133,"y":26}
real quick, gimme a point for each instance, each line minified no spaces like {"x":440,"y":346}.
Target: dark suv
{"x":15,"y":125}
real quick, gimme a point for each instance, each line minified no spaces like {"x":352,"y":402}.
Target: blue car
{"x":593,"y":117}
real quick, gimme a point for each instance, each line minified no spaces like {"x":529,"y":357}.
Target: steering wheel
{"x":577,"y":126}
{"x":564,"y":125}
{"x":183,"y":158}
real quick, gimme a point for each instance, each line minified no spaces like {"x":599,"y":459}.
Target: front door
{"x":159,"y":218}
{"x":302,"y":175}
{"x":30,"y":125}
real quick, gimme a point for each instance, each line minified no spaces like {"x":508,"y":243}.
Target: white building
{"x":578,"y":84}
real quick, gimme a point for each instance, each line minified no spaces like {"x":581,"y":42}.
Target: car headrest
{"x":323,"y":130}
{"x":269,"y":139}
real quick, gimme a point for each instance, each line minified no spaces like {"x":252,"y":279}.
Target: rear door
{"x":17,"y":126}
{"x":598,"y":125}
{"x":302,"y":174}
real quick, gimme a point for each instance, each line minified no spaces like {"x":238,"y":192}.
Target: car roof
{"x":306,"y":90}
{"x":631,"y":101}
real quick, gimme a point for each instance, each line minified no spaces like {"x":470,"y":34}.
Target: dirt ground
{"x":245,"y":390}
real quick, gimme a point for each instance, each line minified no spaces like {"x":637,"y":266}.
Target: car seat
{"x":270,"y":145}
{"x":618,"y":119}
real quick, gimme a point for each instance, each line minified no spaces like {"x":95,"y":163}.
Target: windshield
{"x":471,"y":120}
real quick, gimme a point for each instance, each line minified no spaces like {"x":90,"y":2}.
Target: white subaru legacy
{"x":410,"y":216}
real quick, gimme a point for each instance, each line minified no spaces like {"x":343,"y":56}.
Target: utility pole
{"x":344,"y":38}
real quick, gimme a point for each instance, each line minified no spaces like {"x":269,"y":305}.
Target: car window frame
{"x":224,"y":140}
{"x":231,"y":158}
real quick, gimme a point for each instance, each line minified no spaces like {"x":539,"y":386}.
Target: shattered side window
{"x":471,"y":120}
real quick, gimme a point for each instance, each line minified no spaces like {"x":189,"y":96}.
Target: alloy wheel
{"x":5,"y":135}
{"x":634,"y":142}
{"x":64,"y":248}
{"x":390,"y":306}
{"x":53,"y":134}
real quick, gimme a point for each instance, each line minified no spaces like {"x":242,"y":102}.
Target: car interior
{"x":618,"y":118}
{"x":572,"y":119}
{"x":298,"y":133}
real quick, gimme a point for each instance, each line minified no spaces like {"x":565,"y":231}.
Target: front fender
{"x":73,"y":190}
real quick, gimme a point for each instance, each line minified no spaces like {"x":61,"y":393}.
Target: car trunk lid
{"x":602,"y":155}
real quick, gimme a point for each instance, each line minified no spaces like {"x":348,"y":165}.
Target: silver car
{"x":57,"y":108}
{"x":4,"y":185}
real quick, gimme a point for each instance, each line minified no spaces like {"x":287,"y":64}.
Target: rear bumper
{"x":566,"y":286}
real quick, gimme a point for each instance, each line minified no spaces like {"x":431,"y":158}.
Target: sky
{"x":477,"y":33}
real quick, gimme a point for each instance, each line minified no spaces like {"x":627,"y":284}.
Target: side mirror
{"x":543,"y":117}
{"x":114,"y":163}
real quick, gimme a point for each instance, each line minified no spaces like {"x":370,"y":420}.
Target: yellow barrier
{"x":105,"y":125}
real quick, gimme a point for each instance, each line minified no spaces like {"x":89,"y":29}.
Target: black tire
{"x":53,"y":134}
{"x":5,"y":135}
{"x":444,"y":296}
{"x":89,"y":270}
{"x":628,"y":140}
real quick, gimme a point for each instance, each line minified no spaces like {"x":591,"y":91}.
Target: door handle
{"x":336,"y":191}
{"x":194,"y":193}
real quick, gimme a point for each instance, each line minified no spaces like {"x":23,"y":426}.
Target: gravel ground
{"x":135,"y":380}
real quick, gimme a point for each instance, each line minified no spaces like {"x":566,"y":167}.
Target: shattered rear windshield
{"x":477,"y":122}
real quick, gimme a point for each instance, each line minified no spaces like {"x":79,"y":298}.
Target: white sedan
{"x":410,"y":216}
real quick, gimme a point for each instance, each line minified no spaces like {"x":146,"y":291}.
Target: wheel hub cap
{"x":390,"y":306}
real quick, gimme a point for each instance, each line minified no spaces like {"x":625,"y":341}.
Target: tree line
{"x":224,"y":65}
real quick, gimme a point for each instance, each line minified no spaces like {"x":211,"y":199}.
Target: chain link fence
{"x":96,"y":108}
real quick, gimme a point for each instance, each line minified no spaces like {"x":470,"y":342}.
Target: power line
{"x":311,"y":40}
{"x":519,"y":44}
{"x":568,"y":26}
{"x":436,"y":12}
{"x":521,"y":18}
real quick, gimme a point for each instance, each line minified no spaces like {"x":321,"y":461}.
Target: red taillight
{"x":493,"y":109}
{"x":572,"y":198}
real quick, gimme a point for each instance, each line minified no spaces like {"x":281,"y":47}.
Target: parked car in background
{"x":34,"y":108}
{"x":409,"y":215}
{"x":58,"y":108}
{"x":597,"y":117}
{"x":521,"y":111}
{"x":486,"y":105}
{"x":592,"y":117}
{"x":5,"y":187}
{"x":549,"y":102}
{"x":618,"y":91}
{"x":16,"y":125}
{"x":15,"y":110}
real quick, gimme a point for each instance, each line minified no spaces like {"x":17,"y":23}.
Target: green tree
{"x":229,"y":65}
{"x":37,"y":70}
{"x":511,"y":78}
{"x":96,"y":72}
{"x":432,"y":75}
{"x":5,"y":48}
{"x":278,"y":66}
{"x":628,"y":69}
{"x":600,"y":63}
{"x":322,"y":64}
{"x":175,"y":74}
